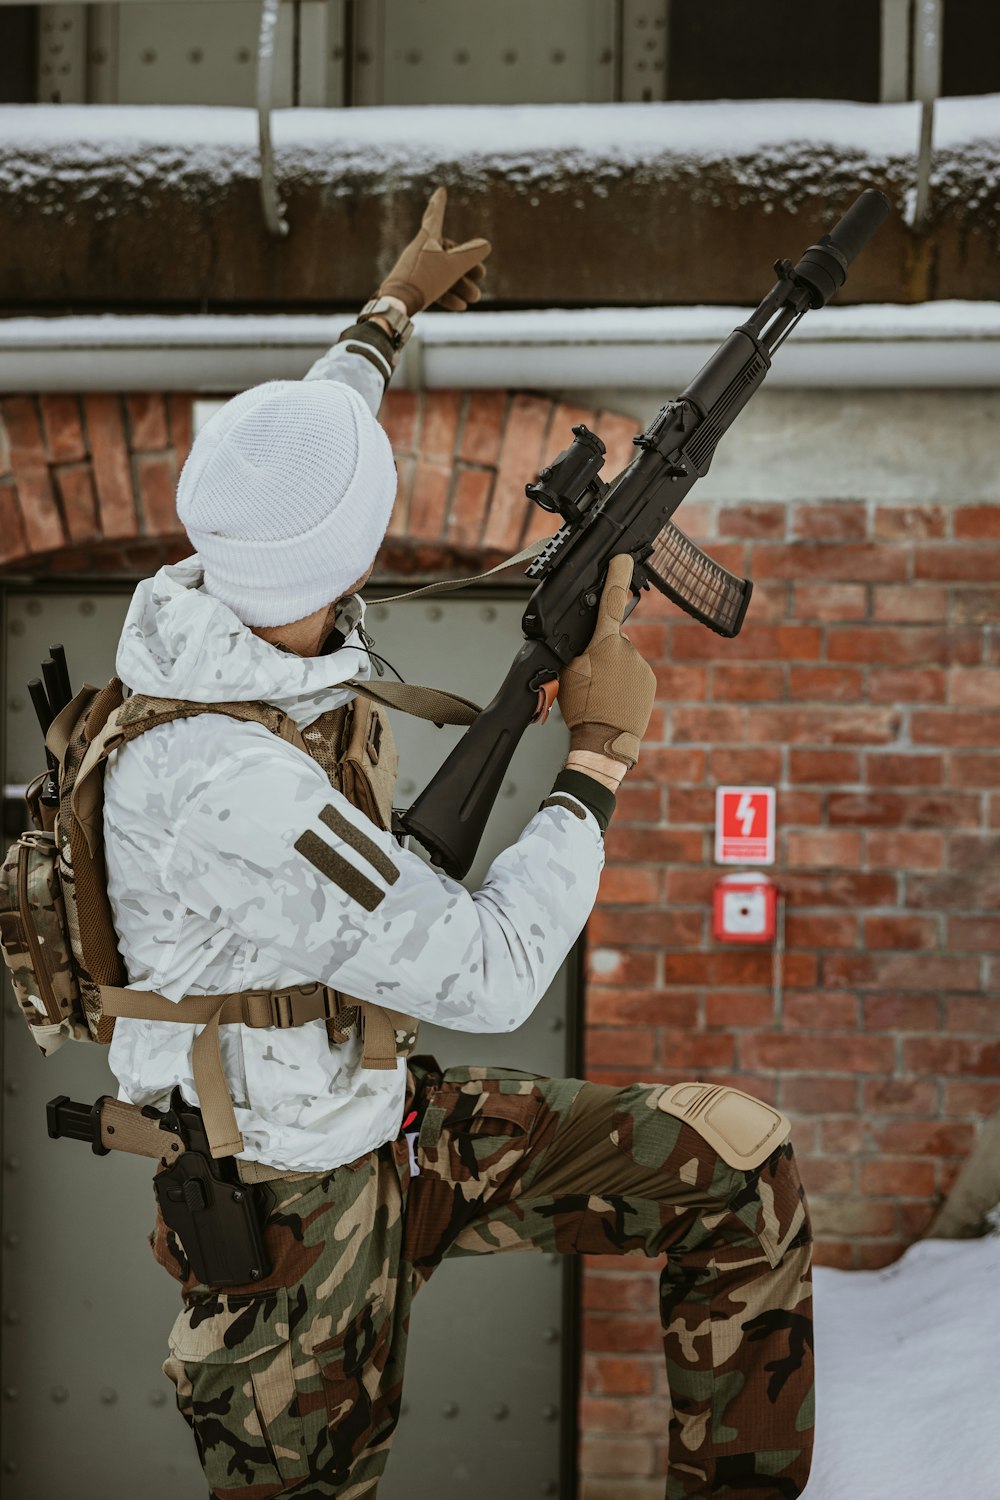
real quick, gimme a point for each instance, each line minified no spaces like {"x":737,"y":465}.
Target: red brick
{"x":42,"y":525}
{"x":852,"y":888}
{"x":484,"y":426}
{"x":826,"y":684}
{"x":648,"y":637}
{"x":644,"y":928}
{"x":900,"y":932}
{"x":827,"y":1174}
{"x":840,"y":521}
{"x":974,"y":769}
{"x":907,"y":685}
{"x":13,"y":542}
{"x":619,"y":1377}
{"x":947,"y":560}
{"x":906,"y":523}
{"x":672,"y":764}
{"x":429,"y":500}
{"x":905,"y":645}
{"x":901,"y":1012}
{"x":975,"y":853}
{"x":157,"y":481}
{"x":755,"y":519}
{"x":706,"y":725}
{"x":905,"y":850}
{"x":899,"y":1096}
{"x":817,"y":1095}
{"x":696,"y":1051}
{"x":799,"y":808}
{"x":830,"y":601}
{"x":756,"y":643}
{"x":744,"y":683}
{"x":63,"y":429}
{"x":851,"y":1216}
{"x":943,"y":727}
{"x":843,"y":1135}
{"x":875,"y":1255}
{"x":691,"y":887}
{"x":611,"y":966}
{"x":909,"y":971}
{"x":971,"y":1098}
{"x":914,"y":1221}
{"x":924,"y":1138}
{"x":147,"y":417}
{"x":739,"y":1008}
{"x":639,"y":803}
{"x":769,"y":605}
{"x":179,"y":407}
{"x":75,"y":486}
{"x":521,"y":455}
{"x":828,"y":929}
{"x":615,"y":1334}
{"x":852,"y":562}
{"x":812,"y":766}
{"x":975,"y":606}
{"x":607,"y":1045}
{"x":399,"y":521}
{"x":679,"y":683}
{"x":666,"y":845}
{"x":729,"y":968}
{"x":906,"y":770}
{"x":614,"y":1005}
{"x":836,"y":1253}
{"x":867,"y":809}
{"x":400,"y":416}
{"x":898,"y":1177}
{"x":974,"y":687}
{"x":745,"y":767}
{"x":690,"y":805}
{"x":441,"y":413}
{"x":952,"y":1055}
{"x":980,"y":1015}
{"x":617,"y":1456}
{"x":977,"y":522}
{"x":633,"y":885}
{"x":909,"y":603}
{"x":112,"y":478}
{"x":823,"y":847}
{"x":838,"y":1053}
{"x":470,"y":506}
{"x":820,"y":1010}
{"x":818,"y":726}
{"x":616,"y":433}
{"x":977,"y":934}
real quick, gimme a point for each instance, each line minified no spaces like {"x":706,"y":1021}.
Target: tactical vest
{"x":63,"y":883}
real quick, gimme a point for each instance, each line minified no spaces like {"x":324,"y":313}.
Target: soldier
{"x":237,"y":863}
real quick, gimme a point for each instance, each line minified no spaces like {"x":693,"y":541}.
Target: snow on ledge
{"x":785,"y":150}
{"x":927,"y":344}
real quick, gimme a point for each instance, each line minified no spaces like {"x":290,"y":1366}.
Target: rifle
{"x":631,"y":513}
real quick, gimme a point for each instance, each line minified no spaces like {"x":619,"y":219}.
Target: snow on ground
{"x":908,"y":1377}
{"x":776,"y":150}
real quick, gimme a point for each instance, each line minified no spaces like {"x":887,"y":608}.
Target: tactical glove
{"x":434,"y":270}
{"x":606,"y":694}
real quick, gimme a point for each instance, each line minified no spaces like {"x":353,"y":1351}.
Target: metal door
{"x":86,"y":1409}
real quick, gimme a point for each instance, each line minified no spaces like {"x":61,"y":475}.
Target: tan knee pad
{"x":743,"y":1130}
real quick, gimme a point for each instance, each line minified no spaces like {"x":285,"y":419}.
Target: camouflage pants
{"x":293,"y":1386}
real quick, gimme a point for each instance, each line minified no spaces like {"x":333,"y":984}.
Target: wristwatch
{"x":385,"y":308}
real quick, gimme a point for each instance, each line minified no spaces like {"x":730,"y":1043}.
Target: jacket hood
{"x":179,"y":642}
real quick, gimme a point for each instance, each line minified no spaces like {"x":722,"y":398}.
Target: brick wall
{"x":865,"y":686}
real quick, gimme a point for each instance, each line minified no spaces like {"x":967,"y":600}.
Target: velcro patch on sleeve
{"x":340,"y":871}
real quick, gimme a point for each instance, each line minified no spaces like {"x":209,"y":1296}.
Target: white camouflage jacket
{"x":209,"y":894}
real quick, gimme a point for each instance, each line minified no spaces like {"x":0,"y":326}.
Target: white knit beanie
{"x":286,"y":495}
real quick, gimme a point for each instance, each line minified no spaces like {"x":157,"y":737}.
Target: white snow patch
{"x":775,"y":150}
{"x":908,"y":1376}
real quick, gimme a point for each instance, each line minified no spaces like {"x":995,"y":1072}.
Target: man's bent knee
{"x":743,"y":1130}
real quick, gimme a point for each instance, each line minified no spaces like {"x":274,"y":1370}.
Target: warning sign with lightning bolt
{"x":744,"y":825}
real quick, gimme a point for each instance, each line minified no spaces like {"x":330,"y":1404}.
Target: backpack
{"x":56,"y":931}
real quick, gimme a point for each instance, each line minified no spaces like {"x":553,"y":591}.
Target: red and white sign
{"x":744,"y":825}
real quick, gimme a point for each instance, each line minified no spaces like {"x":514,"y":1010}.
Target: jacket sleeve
{"x":269,"y":850}
{"x":363,"y":358}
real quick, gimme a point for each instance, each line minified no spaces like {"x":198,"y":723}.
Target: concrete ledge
{"x":110,"y":207}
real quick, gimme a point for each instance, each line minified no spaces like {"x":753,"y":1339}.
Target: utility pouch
{"x":219,"y":1222}
{"x":34,"y":944}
